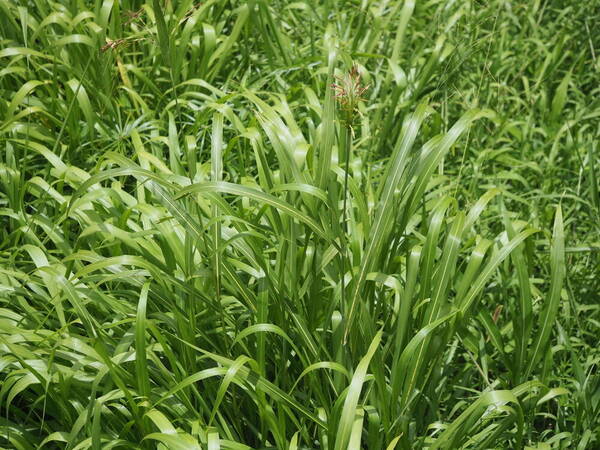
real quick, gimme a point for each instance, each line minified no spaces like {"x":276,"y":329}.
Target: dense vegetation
{"x":299,"y":225}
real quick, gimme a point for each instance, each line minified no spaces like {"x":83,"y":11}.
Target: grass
{"x":205,"y":245}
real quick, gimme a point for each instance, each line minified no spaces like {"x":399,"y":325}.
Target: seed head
{"x":132,"y":16}
{"x":118,"y":43}
{"x":348,"y":92}
{"x":113,"y":45}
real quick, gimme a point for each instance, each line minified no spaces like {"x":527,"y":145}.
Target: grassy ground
{"x":299,"y":225}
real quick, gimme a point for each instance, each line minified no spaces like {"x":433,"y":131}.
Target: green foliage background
{"x":202,"y":247}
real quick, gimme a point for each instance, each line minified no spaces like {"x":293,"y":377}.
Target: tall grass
{"x":205,"y":245}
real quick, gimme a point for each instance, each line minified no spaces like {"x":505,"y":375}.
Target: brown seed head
{"x":349,"y":92}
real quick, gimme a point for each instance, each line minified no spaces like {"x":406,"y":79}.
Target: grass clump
{"x":325,"y":225}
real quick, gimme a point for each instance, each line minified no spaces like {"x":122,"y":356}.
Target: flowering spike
{"x":348,"y":92}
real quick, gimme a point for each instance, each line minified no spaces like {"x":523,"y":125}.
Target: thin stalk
{"x":345,"y":150}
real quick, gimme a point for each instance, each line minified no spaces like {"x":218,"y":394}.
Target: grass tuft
{"x":299,"y":225}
